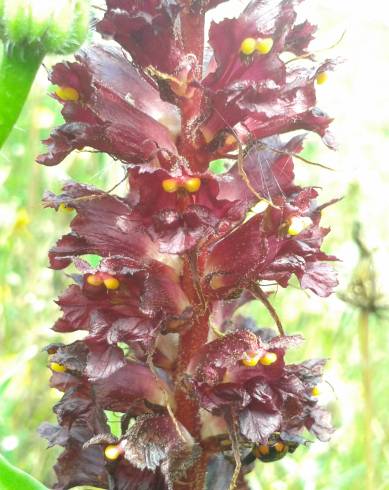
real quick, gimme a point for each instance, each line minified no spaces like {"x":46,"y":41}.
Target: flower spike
{"x":162,"y":271}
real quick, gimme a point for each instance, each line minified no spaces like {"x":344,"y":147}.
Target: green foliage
{"x":49,"y":27}
{"x":12,"y":478}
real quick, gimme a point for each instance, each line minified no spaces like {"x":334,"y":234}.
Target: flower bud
{"x":55,"y":27}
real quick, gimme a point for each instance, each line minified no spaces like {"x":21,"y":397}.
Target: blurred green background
{"x":357,"y":96}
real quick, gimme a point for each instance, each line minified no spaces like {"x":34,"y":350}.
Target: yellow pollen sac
{"x":170,"y":185}
{"x":65,"y":207}
{"x":322,"y":78}
{"x":58,"y":368}
{"x":67,"y":94}
{"x":111,"y":283}
{"x":250,"y":359}
{"x":230,"y":140}
{"x":248,"y":46}
{"x":264,"y":450}
{"x":315,"y":391}
{"x":264,"y":46}
{"x":279,"y":447}
{"x":268,"y":359}
{"x":298,"y":224}
{"x":216,"y":281}
{"x":193,"y":184}
{"x":112,"y":452}
{"x":94,"y":280}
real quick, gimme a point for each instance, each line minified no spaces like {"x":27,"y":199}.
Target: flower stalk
{"x":363,"y":294}
{"x":363,"y":331}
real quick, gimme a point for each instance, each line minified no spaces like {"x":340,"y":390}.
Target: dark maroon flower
{"x":273,"y":245}
{"x":259,"y":91}
{"x":198,"y":387}
{"x":241,"y":372}
{"x":111,"y":108}
{"x":146,"y":30}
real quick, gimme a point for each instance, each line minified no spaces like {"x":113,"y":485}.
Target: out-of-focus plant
{"x":12,"y":478}
{"x":30,"y":30}
{"x":363,"y":294}
{"x":161,"y":271}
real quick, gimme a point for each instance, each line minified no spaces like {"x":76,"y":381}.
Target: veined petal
{"x":115,"y":108}
{"x":134,"y":381}
{"x":148,"y":31}
{"x":156,"y":441}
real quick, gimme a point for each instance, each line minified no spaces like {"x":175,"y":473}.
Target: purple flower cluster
{"x":198,"y":388}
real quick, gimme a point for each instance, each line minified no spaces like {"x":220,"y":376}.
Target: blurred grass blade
{"x":12,"y":478}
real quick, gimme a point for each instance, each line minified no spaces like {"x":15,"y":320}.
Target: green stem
{"x":18,"y":70}
{"x":366,"y":380}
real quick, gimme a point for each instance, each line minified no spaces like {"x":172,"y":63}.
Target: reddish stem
{"x":187,"y":409}
{"x":192,"y":29}
{"x":191,"y":341}
{"x":192,"y":32}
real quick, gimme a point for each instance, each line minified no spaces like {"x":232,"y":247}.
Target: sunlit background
{"x":357,"y":96}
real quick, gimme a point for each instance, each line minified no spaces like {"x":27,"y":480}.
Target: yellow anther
{"x":58,"y":368}
{"x":264,"y":46}
{"x":67,"y":93}
{"x":94,"y":280}
{"x":193,"y":184}
{"x":230,"y":140}
{"x":279,"y":447}
{"x":315,"y":391}
{"x":322,"y":77}
{"x":268,"y":359}
{"x":250,"y":359}
{"x":248,"y":46}
{"x":113,"y":452}
{"x":216,"y":282}
{"x":264,"y":450}
{"x":111,"y":283}
{"x":65,"y":207}
{"x":298,"y":224}
{"x":170,"y":185}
